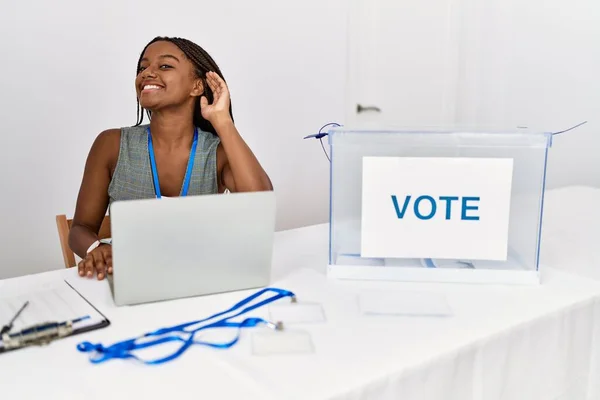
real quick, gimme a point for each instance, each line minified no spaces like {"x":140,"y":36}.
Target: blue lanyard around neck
{"x":188,"y":172}
{"x":185,"y":334}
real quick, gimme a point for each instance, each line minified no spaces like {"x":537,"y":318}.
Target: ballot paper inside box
{"x":446,"y":206}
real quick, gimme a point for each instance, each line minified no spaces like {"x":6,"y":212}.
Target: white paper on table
{"x":407,"y":303}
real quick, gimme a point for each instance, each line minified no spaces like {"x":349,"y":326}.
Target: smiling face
{"x":166,"y":78}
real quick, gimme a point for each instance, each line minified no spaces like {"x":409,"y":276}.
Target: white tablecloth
{"x":571,"y":230}
{"x":501,"y":342}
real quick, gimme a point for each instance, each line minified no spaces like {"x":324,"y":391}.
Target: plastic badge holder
{"x":286,"y":341}
{"x":423,"y":304}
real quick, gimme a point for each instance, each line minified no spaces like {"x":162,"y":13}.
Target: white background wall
{"x":484,"y":63}
{"x":537,"y":64}
{"x":68,"y":69}
{"x":67,"y":73}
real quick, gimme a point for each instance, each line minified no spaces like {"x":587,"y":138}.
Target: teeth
{"x":151,"y":87}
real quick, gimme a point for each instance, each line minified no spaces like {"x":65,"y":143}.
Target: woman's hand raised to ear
{"x":218,"y":111}
{"x":238,"y":168}
{"x":97,"y":261}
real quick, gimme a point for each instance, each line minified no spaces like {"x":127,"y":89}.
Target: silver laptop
{"x":188,"y":246}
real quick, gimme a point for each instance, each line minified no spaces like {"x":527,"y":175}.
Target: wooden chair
{"x":64,"y":227}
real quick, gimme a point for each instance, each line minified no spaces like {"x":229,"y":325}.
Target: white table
{"x":501,"y":343}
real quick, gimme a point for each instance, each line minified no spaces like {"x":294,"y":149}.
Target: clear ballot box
{"x":444,"y":206}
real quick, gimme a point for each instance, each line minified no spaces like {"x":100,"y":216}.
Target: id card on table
{"x":287,"y":341}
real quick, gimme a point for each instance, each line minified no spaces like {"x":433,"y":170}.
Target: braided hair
{"x":203,"y":63}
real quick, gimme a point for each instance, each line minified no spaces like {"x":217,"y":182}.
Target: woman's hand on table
{"x":98,"y":262}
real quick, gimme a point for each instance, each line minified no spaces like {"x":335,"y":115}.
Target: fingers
{"x":216,"y":78}
{"x":81,"y":267}
{"x":99,"y":261}
{"x":220,"y":101}
{"x":108,"y":258}
{"x":216,"y":83}
{"x":212,"y":80}
{"x":213,"y":88}
{"x":99,"y":264}
{"x":88,"y":266}
{"x":212,"y":83}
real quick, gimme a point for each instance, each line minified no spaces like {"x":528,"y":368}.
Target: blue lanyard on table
{"x":188,"y":172}
{"x":185,"y":334}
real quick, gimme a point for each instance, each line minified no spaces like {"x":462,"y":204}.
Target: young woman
{"x":190,"y":147}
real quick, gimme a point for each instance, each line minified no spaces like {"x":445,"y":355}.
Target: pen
{"x":6,"y":328}
{"x":40,"y":334}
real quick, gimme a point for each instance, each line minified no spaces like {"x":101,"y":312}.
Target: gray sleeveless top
{"x":132,"y":179}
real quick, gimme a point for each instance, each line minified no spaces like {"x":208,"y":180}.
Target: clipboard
{"x":54,"y":310}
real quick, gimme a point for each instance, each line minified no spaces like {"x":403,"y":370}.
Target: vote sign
{"x":453,"y":208}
